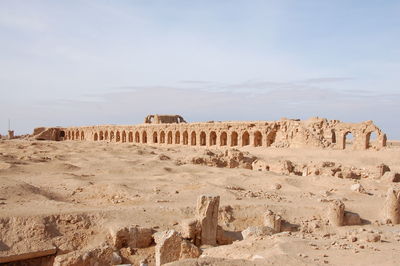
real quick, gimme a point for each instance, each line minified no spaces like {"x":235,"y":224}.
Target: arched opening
{"x":69,"y":135}
{"x":144,"y":137}
{"x":185,"y":138}
{"x":137,"y":137}
{"x":73,"y":135}
{"x":118,"y":137}
{"x":106,"y":135}
{"x":77,"y":135}
{"x":333,"y":134}
{"x":213,"y":138}
{"x":348,"y":140}
{"x":271,"y":138}
{"x":82,"y":136}
{"x":130,"y":136}
{"x":203,"y":138}
{"x":155,"y":137}
{"x":177,"y":137}
{"x":223,"y":139}
{"x":162,"y":137}
{"x":61,"y":136}
{"x":245,"y":138}
{"x":101,"y":136}
{"x":371,"y":140}
{"x":193,"y":138}
{"x":96,"y":136}
{"x":257,"y":139}
{"x":123,"y":136}
{"x":111,"y":136}
{"x":234,"y":138}
{"x":169,"y":138}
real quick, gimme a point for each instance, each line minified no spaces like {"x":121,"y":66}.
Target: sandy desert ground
{"x":68,"y":194}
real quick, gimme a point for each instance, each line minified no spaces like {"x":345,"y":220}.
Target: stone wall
{"x":285,"y":133}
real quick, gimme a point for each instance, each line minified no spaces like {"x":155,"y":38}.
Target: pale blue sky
{"x":113,"y":62}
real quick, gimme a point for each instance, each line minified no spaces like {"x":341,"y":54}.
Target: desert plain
{"x":65,"y":201}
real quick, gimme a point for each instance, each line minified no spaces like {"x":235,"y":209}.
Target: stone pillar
{"x":392,"y":206}
{"x":10,"y":134}
{"x":272,"y":220}
{"x":207,"y":215}
{"x":336,"y":213}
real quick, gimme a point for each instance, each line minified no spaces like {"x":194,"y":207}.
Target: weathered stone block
{"x":207,"y":215}
{"x":336,"y":213}
{"x":168,"y":246}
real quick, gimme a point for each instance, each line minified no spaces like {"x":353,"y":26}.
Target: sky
{"x":75,"y":63}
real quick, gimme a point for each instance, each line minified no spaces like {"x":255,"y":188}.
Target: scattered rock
{"x":358,"y":188}
{"x":188,"y":250}
{"x":351,"y":218}
{"x":373,"y":237}
{"x":257,"y":231}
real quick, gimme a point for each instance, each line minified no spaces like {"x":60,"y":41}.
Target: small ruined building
{"x":284,"y":133}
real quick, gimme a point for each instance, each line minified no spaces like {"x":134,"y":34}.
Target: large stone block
{"x":168,"y":246}
{"x":207,"y":215}
{"x":392,"y":206}
{"x":336,"y":213}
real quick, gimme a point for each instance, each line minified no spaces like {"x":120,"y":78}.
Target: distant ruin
{"x":284,"y":133}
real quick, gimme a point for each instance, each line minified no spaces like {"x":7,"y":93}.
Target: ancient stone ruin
{"x":284,"y":133}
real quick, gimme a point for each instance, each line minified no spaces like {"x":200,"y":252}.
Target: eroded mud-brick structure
{"x":174,"y":130}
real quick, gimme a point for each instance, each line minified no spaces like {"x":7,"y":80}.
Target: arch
{"x":123,"y":136}
{"x":144,"y":137}
{"x":118,"y":137}
{"x":245,"y":138}
{"x":82,"y":135}
{"x":96,"y":136}
{"x":371,"y":140}
{"x":162,"y":137}
{"x":137,"y":137}
{"x":101,"y":135}
{"x":271,"y":136}
{"x":223,"y":139}
{"x":73,"y":135}
{"x":169,"y":137}
{"x":185,"y":138}
{"x":155,"y":137}
{"x":193,"y":138}
{"x":130,"y":136}
{"x":77,"y":135}
{"x":348,"y":140}
{"x":333,"y":136}
{"x":62,"y":135}
{"x":111,"y":135}
{"x":213,"y":138}
{"x":69,"y":135}
{"x":177,"y":137}
{"x":106,"y":135}
{"x":203,"y":138}
{"x":234,"y":138}
{"x":257,"y":139}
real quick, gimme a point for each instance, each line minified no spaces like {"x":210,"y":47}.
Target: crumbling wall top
{"x":164,"y":119}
